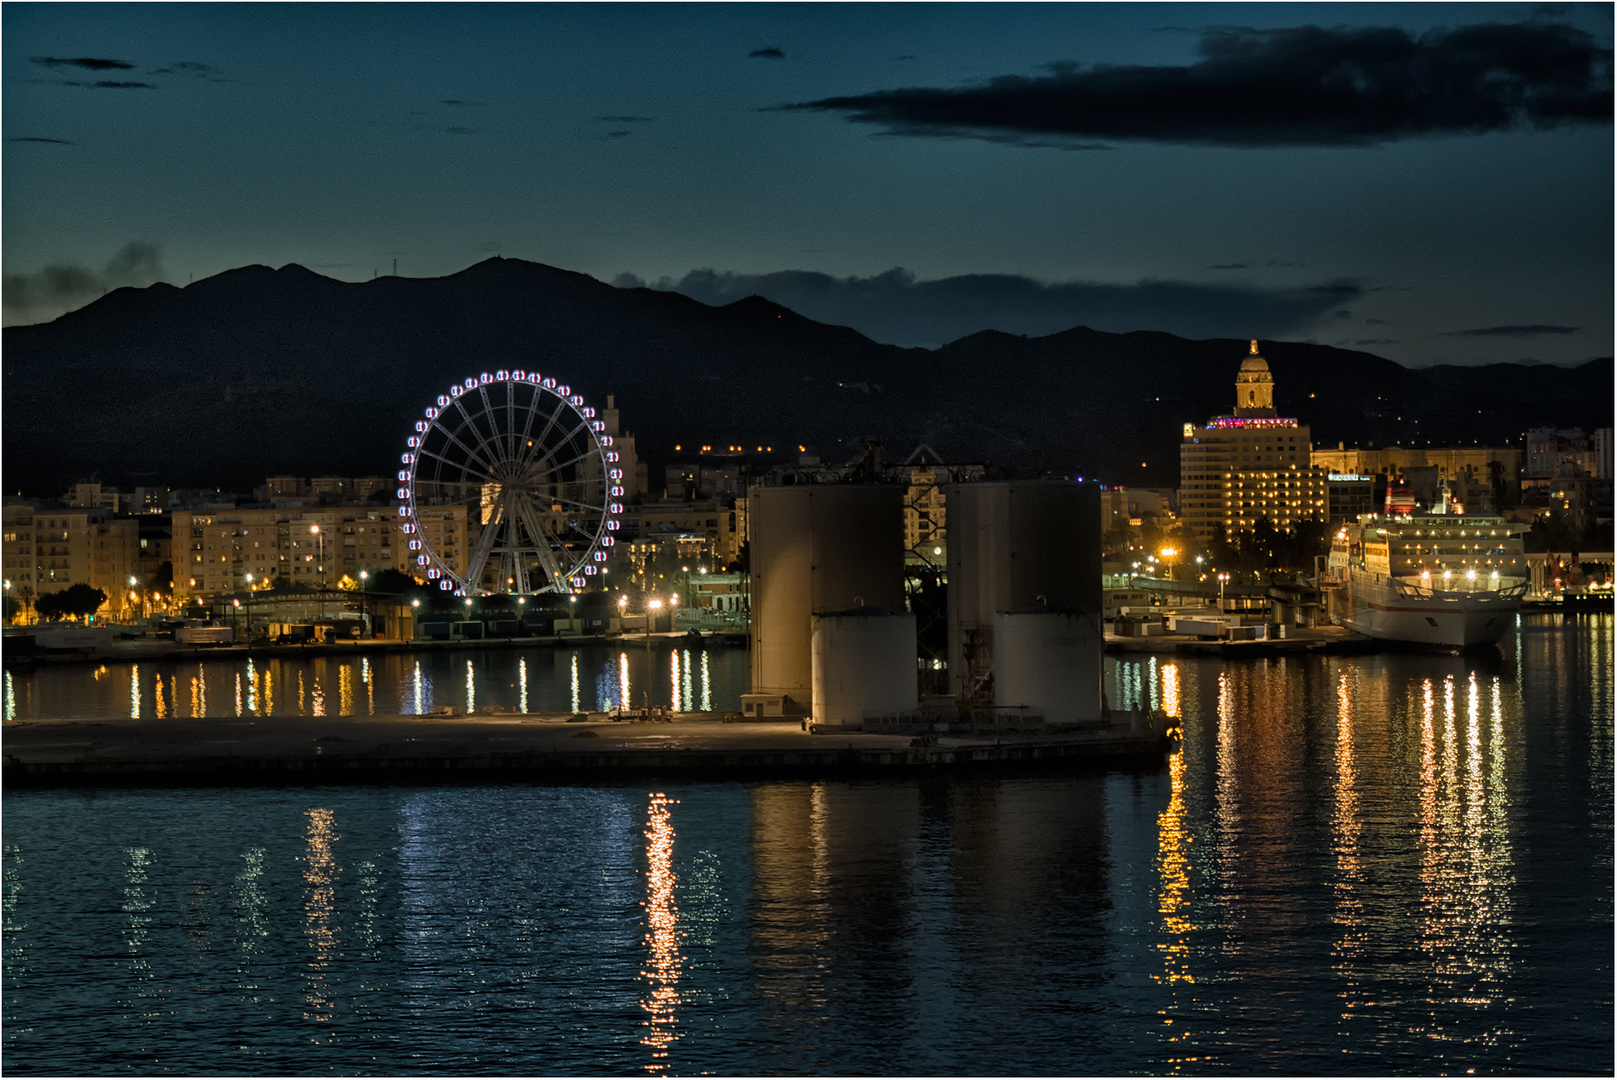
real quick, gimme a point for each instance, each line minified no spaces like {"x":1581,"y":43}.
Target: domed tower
{"x":1254,"y":386}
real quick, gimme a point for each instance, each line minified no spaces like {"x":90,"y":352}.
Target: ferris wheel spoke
{"x":528,"y":413}
{"x":491,"y":450}
{"x":593,"y":508}
{"x":509,"y":429}
{"x":540,"y":444}
{"x":447,"y":461}
{"x":586,"y":455}
{"x":472,"y":456}
{"x":495,"y":437}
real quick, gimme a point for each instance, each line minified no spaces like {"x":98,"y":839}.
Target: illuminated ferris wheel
{"x":538,"y":478}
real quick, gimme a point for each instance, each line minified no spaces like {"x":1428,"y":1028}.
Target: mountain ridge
{"x":257,"y":371}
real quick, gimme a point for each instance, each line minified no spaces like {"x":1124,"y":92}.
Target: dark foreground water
{"x":1390,"y":864}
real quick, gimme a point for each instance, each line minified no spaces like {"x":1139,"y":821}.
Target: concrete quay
{"x":303,"y":750}
{"x":1336,"y":640}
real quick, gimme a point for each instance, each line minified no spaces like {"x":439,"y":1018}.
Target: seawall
{"x":544,"y":749}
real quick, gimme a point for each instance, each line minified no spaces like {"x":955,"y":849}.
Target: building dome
{"x":1254,"y":386}
{"x":1254,"y":362}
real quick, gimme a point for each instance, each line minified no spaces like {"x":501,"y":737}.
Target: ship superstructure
{"x":1443,"y":577}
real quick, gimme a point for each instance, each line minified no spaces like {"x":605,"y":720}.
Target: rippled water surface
{"x":1378,"y":864}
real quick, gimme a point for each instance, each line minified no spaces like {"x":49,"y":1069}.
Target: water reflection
{"x":1173,"y":857}
{"x":252,"y":914}
{"x":320,"y":914}
{"x":1347,"y":883}
{"x":1467,"y":873}
{"x":137,"y":906}
{"x":663,"y":960}
{"x":573,"y":669}
{"x":540,"y":680}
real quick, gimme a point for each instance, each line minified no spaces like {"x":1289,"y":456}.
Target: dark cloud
{"x":1228,"y":266}
{"x":895,"y":307}
{"x":1378,"y":341}
{"x":769,"y":53}
{"x":89,"y":63}
{"x":35,"y":138}
{"x":55,"y":289}
{"x":1375,"y":322}
{"x":457,"y":103}
{"x":188,"y":68}
{"x":618,"y":134}
{"x":622,"y":119}
{"x":1534,"y":330}
{"x":108,"y":84}
{"x":1307,"y":86}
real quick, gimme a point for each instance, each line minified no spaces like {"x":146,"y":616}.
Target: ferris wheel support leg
{"x":479,"y":559}
{"x":514,"y":569}
{"x":541,"y":538}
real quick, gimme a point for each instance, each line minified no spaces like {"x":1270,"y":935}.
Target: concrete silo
{"x":864,"y":665}
{"x":1015,"y":546}
{"x":1047,"y":663}
{"x":815,"y":548}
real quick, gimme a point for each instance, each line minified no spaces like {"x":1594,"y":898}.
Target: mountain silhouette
{"x":256,"y":372}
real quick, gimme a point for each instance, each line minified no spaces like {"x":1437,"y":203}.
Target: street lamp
{"x":651,"y":607}
{"x":1222,"y":578}
{"x":320,"y":543}
{"x":1168,"y":553}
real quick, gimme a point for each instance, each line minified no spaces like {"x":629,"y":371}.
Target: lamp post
{"x":1222,"y":578}
{"x":1167,"y":554}
{"x":320,"y":556}
{"x":652,"y":606}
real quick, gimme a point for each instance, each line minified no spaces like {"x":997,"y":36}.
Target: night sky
{"x":1430,"y":183}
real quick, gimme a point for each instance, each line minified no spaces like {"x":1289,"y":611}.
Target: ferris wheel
{"x":537,"y":476}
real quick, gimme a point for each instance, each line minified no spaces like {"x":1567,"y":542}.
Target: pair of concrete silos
{"x":830,"y":637}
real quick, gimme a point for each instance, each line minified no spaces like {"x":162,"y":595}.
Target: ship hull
{"x":1443,"y":620}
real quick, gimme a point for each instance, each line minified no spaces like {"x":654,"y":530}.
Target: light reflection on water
{"x":542,"y":680}
{"x":1365,"y":865}
{"x":663,"y":959}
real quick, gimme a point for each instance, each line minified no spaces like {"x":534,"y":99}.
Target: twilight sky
{"x":1431,"y":183}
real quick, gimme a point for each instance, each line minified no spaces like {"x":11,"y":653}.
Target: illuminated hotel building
{"x":1249,"y":464}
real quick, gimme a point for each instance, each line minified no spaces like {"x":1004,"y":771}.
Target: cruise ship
{"x":1443,"y":578}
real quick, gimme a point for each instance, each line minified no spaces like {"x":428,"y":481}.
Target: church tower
{"x":1254,"y":386}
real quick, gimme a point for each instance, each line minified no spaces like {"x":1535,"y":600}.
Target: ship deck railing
{"x":1423,"y":592}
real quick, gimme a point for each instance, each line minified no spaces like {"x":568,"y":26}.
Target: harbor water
{"x":1394,"y":863}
